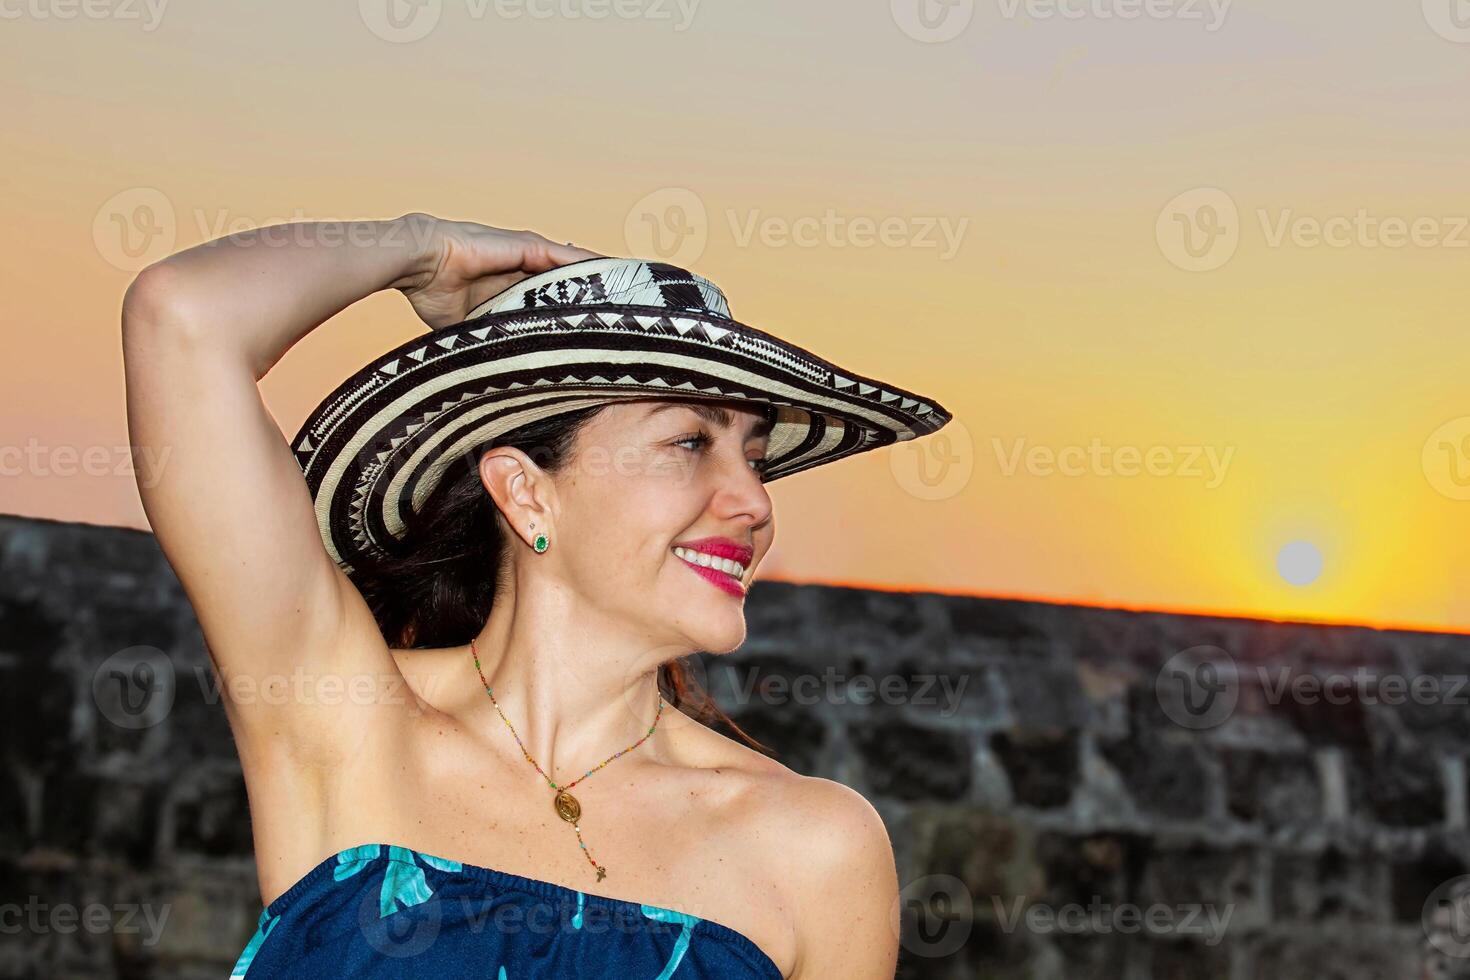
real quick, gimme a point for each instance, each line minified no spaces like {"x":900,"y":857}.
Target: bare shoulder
{"x":830,"y":850}
{"x":840,"y":876}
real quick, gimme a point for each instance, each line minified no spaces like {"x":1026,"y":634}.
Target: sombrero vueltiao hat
{"x":581,"y":334}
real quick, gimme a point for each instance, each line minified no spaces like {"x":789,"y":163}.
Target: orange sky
{"x":1193,"y":282}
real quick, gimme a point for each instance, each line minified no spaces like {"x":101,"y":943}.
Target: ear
{"x":523,"y":491}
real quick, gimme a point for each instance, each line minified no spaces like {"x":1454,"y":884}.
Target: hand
{"x":461,"y":264}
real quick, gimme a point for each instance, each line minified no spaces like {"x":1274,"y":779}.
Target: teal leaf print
{"x":443,"y":864}
{"x":263,"y":927}
{"x":354,"y":859}
{"x":403,"y":880}
{"x":682,"y":945}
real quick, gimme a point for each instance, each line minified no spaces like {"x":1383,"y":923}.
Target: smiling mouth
{"x":732,"y":568}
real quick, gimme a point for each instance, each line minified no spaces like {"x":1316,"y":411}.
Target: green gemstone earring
{"x":542,"y":542}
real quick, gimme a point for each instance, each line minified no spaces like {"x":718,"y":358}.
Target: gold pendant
{"x":567,"y":807}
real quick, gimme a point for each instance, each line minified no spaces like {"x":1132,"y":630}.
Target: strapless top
{"x":378,"y":910}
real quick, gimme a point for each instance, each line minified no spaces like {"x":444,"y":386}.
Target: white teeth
{"x":726,"y":565}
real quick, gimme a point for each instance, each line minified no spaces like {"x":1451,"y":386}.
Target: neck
{"x":574,"y":684}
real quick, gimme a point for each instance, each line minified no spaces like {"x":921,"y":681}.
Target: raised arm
{"x":226,"y":499}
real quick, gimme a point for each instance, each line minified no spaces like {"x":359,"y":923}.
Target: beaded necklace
{"x":567,"y":806}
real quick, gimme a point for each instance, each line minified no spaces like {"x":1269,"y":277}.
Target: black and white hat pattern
{"x":581,"y":334}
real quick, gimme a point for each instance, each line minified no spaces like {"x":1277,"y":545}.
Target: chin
{"x":725,"y":644}
{"x":720,"y":631}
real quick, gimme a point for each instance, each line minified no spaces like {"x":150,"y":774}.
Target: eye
{"x":702,"y":438}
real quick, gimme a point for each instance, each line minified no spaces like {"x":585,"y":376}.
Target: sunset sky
{"x":1192,"y":275}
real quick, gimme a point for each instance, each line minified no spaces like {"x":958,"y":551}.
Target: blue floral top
{"x":383,"y":911}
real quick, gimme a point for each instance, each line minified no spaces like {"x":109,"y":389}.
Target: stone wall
{"x":1071,"y":792}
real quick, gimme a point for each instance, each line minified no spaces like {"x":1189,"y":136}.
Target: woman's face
{"x":647,"y":478}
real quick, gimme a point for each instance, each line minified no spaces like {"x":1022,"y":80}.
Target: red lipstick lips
{"x":719,"y":548}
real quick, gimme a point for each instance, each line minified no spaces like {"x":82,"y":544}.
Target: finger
{"x":482,"y":289}
{"x":542,"y":254}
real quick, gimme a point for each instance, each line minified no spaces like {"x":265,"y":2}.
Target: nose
{"x":741,"y":496}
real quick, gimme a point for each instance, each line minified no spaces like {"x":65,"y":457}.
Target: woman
{"x":509,"y":534}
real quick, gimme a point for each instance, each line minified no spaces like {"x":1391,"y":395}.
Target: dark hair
{"x":439,"y":586}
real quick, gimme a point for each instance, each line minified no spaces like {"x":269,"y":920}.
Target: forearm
{"x":257,"y":292}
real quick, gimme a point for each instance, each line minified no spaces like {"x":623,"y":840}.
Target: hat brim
{"x":379,"y":444}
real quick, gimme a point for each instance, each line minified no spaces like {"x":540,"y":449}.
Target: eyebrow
{"x":716,"y":415}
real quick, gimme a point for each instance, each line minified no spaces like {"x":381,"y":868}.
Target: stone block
{"x":908,"y":762}
{"x":1042,"y":767}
